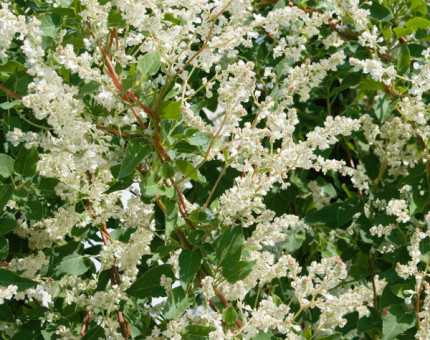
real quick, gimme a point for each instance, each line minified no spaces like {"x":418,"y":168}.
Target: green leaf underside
{"x":396,"y":322}
{"x":176,"y":303}
{"x":149,"y":64}
{"x":170,"y":110}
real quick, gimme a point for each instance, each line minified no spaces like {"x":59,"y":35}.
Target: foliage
{"x":224,"y":169}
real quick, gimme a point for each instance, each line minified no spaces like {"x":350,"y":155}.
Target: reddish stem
{"x":111,"y":36}
{"x":125,"y":327}
{"x":5,"y":263}
{"x":84,"y":326}
{"x":139,"y":120}
{"x":10,"y":93}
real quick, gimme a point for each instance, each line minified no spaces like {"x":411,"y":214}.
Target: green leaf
{"x":115,"y":20}
{"x":6,"y":313}
{"x":26,"y":161}
{"x":396,"y":322}
{"x":401,"y":31}
{"x":167,"y":170}
{"x":264,"y":336}
{"x":88,"y":88}
{"x":280,"y":4}
{"x":417,"y":23}
{"x":387,"y":33}
{"x":6,"y":192}
{"x":403,"y":60}
{"x":6,"y":165}
{"x":28,"y":330}
{"x":348,"y":209}
{"x":176,"y":303}
{"x":239,"y":272}
{"x":170,"y":110}
{"x":229,"y":247}
{"x":398,"y":289}
{"x":379,"y":11}
{"x":50,"y":24}
{"x":229,"y":315}
{"x":200,"y":139}
{"x":65,"y":3}
{"x":122,"y":184}
{"x":294,"y":240}
{"x":67,"y":260}
{"x":148,"y":285}
{"x":34,"y":209}
{"x":189,"y":264}
{"x":334,"y":336}
{"x":136,"y":151}
{"x":10,"y":278}
{"x":326,"y":216}
{"x":149,"y":64}
{"x":197,"y":332}
{"x":418,"y":6}
{"x":11,"y":66}
{"x":9,"y":105}
{"x":384,"y":107}
{"x":170,"y":215}
{"x":149,"y":186}
{"x":130,"y":81}
{"x":95,"y":332}
{"x":418,"y":202}
{"x":184,"y":147}
{"x":4,"y":247}
{"x":370,"y":85}
{"x":187,"y":169}
{"x":373,"y":321}
{"x":7,"y":225}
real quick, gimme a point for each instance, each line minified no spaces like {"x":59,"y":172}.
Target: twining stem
{"x":84,"y":326}
{"x":372,"y":276}
{"x":10,"y":93}
{"x":214,"y":187}
{"x":417,"y":306}
{"x":351,"y":161}
{"x":115,"y":277}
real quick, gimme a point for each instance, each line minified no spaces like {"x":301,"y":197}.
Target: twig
{"x":214,"y":187}
{"x":116,"y":132}
{"x":10,"y":93}
{"x":372,"y":276}
{"x":84,"y":326}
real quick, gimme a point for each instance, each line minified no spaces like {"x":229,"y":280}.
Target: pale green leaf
{"x":6,"y":165}
{"x":396,"y":322}
{"x":149,"y":63}
{"x":176,"y":303}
